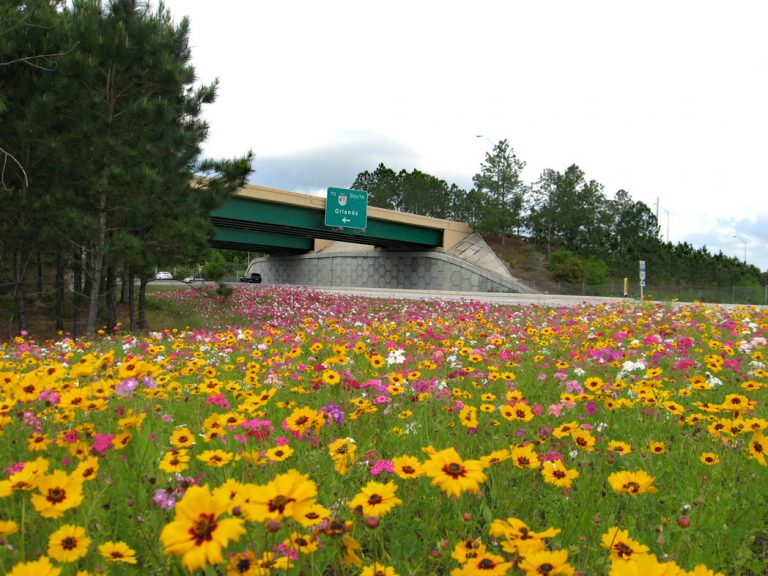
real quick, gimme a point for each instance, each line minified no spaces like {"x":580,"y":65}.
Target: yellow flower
{"x":525,"y":457}
{"x":622,"y":547}
{"x":546,"y":562}
{"x":278,"y":453}
{"x":182,"y":438}
{"x":375,"y":499}
{"x":454,"y":475}
{"x":197,"y":533}
{"x":377,"y":569}
{"x":555,"y":473}
{"x":644,"y":565}
{"x":8,"y":527}
{"x":632,"y":483}
{"x":216,"y":458}
{"x":349,"y":556}
{"x":288,"y":495}
{"x":174,"y":461}
{"x":58,"y":492}
{"x":484,"y":563}
{"x":709,"y":458}
{"x":68,"y":543}
{"x":39,"y":567}
{"x":118,"y":552}
{"x":757,"y":446}
{"x":407,"y":466}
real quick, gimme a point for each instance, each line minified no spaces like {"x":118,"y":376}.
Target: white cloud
{"x":665,"y":100}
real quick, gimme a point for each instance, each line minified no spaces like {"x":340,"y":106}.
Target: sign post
{"x":346,"y":208}
{"x":642,"y":277}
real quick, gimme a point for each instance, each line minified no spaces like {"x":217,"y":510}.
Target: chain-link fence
{"x":713,"y":294}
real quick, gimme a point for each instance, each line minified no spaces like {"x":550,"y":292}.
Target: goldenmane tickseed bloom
{"x":619,"y":447}
{"x":622,"y":547}
{"x":554,"y":472}
{"x":8,"y":527}
{"x":197,"y":533}
{"x":466,"y":549}
{"x":58,"y":492}
{"x":349,"y":552}
{"x":377,"y":569}
{"x":553,"y":563}
{"x":644,"y":565}
{"x":118,"y":552}
{"x":25,"y":479}
{"x":68,"y":543}
{"x":518,"y":537}
{"x":484,"y":563}
{"x":658,"y":447}
{"x":583,"y":440}
{"x":175,"y":461}
{"x":454,"y":475}
{"x":632,"y":483}
{"x":343,"y":453}
{"x":757,"y":447}
{"x":182,"y":438}
{"x":525,"y":457}
{"x":216,"y":458}
{"x":407,"y":466}
{"x":304,"y":420}
{"x":375,"y":499}
{"x":288,"y":495}
{"x":40,"y":567}
{"x":709,"y":458}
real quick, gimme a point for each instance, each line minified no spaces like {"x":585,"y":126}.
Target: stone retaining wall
{"x":379,"y":269}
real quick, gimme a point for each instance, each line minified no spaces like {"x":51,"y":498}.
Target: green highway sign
{"x":346,"y":208}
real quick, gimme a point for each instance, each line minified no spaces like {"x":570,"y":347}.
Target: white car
{"x":163,"y":276}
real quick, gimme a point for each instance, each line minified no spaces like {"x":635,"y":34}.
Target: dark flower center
{"x":408,"y":470}
{"x":622,"y":549}
{"x":69,"y":543}
{"x":279,"y":503}
{"x":633,"y":487}
{"x":545,"y":568}
{"x":375,"y":499}
{"x":486,"y":564}
{"x":56,"y":495}
{"x":559,"y":474}
{"x":454,"y":470}
{"x":203,"y":528}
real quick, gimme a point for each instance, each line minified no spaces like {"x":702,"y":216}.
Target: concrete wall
{"x":380,"y":269}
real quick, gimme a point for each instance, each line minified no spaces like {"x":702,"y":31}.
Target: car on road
{"x":194,"y":279}
{"x":163,"y":276}
{"x":252,"y":278}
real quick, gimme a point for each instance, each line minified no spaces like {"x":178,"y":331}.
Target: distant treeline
{"x":586,"y":236}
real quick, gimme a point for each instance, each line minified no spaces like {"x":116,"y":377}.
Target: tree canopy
{"x":108,"y":136}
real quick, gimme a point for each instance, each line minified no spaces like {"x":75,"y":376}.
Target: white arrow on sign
{"x":345,"y":220}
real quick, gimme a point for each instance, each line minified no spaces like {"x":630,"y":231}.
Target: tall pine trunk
{"x":97,"y":266}
{"x":59,"y":291}
{"x":109,"y":297}
{"x":18,"y":285}
{"x":143,"y":303}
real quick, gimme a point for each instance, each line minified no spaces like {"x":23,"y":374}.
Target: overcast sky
{"x":667,"y":100}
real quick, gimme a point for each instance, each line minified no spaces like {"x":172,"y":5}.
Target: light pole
{"x":745,"y":246}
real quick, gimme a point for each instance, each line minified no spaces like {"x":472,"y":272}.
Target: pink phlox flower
{"x":125,"y":388}
{"x":101,"y":443}
{"x":382,"y":466}
{"x":70,"y":436}
{"x":218,"y":400}
{"x":552,"y":456}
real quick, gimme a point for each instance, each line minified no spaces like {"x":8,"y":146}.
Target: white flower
{"x":396,"y":357}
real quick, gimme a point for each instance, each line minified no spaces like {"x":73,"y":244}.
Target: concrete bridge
{"x":396,"y":249}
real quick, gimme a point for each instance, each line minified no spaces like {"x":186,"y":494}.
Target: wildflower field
{"x":340,"y":435}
